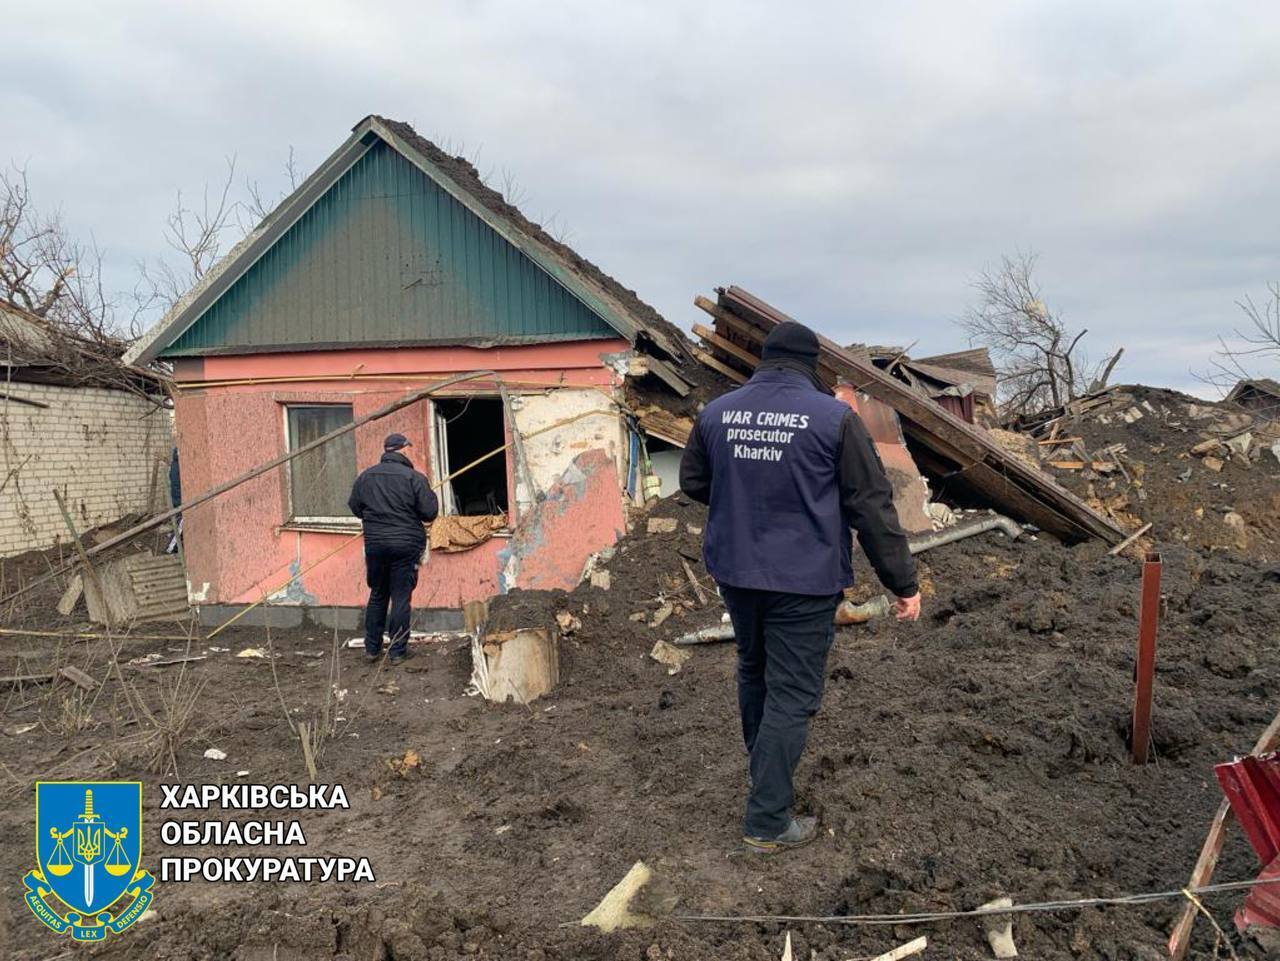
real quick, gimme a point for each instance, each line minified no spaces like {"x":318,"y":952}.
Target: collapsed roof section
{"x":34,"y":350}
{"x":958,"y":454}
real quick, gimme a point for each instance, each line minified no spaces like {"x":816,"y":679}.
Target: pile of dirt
{"x":1225,"y":495}
{"x":650,"y":577}
{"x":979,"y":752}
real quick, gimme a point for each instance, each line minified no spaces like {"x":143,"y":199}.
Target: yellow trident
{"x":88,"y":831}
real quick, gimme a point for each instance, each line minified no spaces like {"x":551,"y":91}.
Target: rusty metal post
{"x":1148,"y":621}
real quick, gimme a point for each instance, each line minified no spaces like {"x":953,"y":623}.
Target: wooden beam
{"x":158,"y":519}
{"x":90,"y":572}
{"x":714,"y":364}
{"x":1180,"y":938}
{"x":712,"y":339}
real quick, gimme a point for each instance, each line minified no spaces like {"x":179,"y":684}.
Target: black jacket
{"x":394,"y":501}
{"x":864,"y":493}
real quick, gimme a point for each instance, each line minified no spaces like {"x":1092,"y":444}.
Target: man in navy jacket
{"x":393,"y":501}
{"x":787,"y":470}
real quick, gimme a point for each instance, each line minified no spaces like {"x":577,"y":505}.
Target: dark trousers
{"x":392,"y":574}
{"x":783,"y":641}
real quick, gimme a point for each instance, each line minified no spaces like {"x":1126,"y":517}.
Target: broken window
{"x":467,"y":428}
{"x":320,"y":480}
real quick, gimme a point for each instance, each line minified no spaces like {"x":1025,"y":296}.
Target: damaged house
{"x":391,"y":268}
{"x":77,"y":424}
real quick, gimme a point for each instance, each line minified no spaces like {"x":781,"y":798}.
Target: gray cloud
{"x":855,"y":163}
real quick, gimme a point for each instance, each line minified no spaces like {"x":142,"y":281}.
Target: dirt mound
{"x":1220,"y":497}
{"x":649,"y":590}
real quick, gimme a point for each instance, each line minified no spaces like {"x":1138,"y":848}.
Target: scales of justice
{"x":86,"y":835}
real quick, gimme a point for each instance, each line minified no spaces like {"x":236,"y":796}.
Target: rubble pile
{"x":1205,"y":475}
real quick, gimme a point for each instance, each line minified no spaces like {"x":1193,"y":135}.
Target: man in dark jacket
{"x":393,"y":501}
{"x":787,"y":470}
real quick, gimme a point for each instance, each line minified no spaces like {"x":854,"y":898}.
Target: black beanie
{"x":791,"y":341}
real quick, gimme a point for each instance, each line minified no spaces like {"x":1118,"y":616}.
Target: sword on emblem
{"x":88,"y":844}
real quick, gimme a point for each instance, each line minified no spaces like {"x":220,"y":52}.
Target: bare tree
{"x":1256,"y":351}
{"x":199,"y":235}
{"x":45,"y":272}
{"x":1040,"y":360}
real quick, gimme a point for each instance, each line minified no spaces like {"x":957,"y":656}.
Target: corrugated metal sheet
{"x":388,"y":257}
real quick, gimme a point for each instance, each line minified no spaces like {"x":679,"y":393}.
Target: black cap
{"x":395,"y":442}
{"x":792,"y":341}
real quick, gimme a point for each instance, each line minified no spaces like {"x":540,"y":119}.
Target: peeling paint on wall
{"x":581,"y":514}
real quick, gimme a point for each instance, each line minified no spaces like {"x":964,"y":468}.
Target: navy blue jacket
{"x":394,"y":501}
{"x":787,"y":471}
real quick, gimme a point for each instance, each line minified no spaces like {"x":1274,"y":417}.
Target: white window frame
{"x":440,"y":457}
{"x":294,"y":519}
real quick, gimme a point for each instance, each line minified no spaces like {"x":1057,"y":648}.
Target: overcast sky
{"x":854,"y":163}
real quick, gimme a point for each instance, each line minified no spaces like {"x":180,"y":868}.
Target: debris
{"x":401,"y":766}
{"x":568,"y":622}
{"x":213,"y":754}
{"x":670,"y":655}
{"x":786,"y":949}
{"x":614,"y":910}
{"x":661,"y":614}
{"x":717,"y":632}
{"x":850,"y":613}
{"x":390,"y":688}
{"x":1205,"y":447}
{"x":904,"y":950}
{"x":999,"y":928}
{"x":941,"y":515}
{"x":638,"y":616}
{"x":415,"y":637}
{"x":602,"y":580}
{"x":693,"y":581}
{"x":696,"y":531}
{"x":1184,"y":476}
{"x":78,"y":677}
{"x":960,"y":531}
{"x":17,"y":730}
{"x":662,"y":525}
{"x":71,"y":596}
{"x":1241,"y":443}
{"x":153,"y":660}
{"x":518,"y":665}
{"x":1130,"y":539}
{"x":1180,"y":937}
{"x":242,"y":773}
{"x":1275,"y":450}
{"x":1213,"y":463}
{"x":252,"y":652}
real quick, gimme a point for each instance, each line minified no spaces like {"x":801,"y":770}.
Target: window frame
{"x":440,"y":457}
{"x":292,"y":518}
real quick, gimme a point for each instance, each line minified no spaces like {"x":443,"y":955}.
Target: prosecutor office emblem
{"x":88,"y":845}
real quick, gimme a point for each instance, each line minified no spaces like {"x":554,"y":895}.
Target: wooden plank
{"x":712,"y":339}
{"x":90,"y":572}
{"x":714,"y":364}
{"x":1180,"y":938}
{"x":1129,"y":540}
{"x":1056,"y":509}
{"x":1058,"y":440}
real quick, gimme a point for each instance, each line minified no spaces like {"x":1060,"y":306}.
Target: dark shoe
{"x":372,"y":658}
{"x":798,"y":833}
{"x":399,"y":657}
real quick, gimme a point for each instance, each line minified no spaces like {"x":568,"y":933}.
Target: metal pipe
{"x":961,"y":531}
{"x":1148,"y":621}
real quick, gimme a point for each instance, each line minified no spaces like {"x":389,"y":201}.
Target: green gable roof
{"x":386,"y":257}
{"x":391,"y":242}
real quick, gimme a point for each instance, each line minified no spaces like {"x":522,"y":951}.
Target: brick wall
{"x":106,"y":451}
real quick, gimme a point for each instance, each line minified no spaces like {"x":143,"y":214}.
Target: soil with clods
{"x":1228,"y":500}
{"x":977,"y":753}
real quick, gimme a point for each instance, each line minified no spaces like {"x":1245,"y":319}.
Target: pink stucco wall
{"x":237,"y":548}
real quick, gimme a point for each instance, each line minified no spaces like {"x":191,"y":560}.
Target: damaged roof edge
{"x":1016,"y":488}
{"x":405,"y":141}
